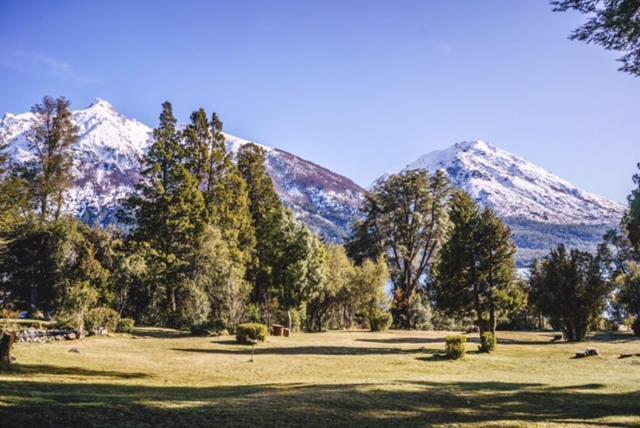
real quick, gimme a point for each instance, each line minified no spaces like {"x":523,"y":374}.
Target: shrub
{"x":636,"y":326}
{"x":101,"y":317}
{"x":208,"y":328}
{"x":125,"y":325}
{"x":488,"y":342}
{"x":455,"y":346}
{"x":251,"y":331}
{"x":9,"y":314}
{"x":380,"y":321}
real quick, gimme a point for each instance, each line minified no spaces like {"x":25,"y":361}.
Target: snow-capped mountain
{"x":107,"y":164}
{"x":542,"y":209}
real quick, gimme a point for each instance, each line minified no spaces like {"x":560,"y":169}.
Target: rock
{"x":71,"y":336}
{"x":588,"y":352}
{"x":74,"y":350}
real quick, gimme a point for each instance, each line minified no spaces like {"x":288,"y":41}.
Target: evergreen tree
{"x":223,"y":187}
{"x":268,"y":218}
{"x":298,"y":268}
{"x":405,"y":219}
{"x":632,"y":219}
{"x":475,"y":273}
{"x":170,"y":217}
{"x":569,"y":287}
{"x":50,"y":139}
{"x":612,"y":24}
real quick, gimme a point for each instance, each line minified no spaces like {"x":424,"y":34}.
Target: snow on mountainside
{"x":542,"y":209}
{"x":107,"y":163}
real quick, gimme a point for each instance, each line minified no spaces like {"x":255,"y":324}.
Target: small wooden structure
{"x":278,"y":329}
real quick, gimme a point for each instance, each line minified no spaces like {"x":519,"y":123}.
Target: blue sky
{"x":361,"y":87}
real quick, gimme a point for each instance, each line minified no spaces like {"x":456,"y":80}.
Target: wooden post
{"x":6,"y":343}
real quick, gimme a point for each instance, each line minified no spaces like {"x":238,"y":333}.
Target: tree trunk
{"x":492,"y":319}
{"x":289,"y":319}
{"x":6,"y":343}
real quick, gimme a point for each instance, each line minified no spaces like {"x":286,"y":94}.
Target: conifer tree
{"x":169,"y":216}
{"x":224,"y":190}
{"x":632,"y":219}
{"x":50,"y":139}
{"x":475,"y":273}
{"x":267,"y":214}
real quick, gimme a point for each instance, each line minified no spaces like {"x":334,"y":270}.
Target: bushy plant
{"x":380,"y":321}
{"x":455,"y":347}
{"x":488,"y":342}
{"x":208,"y":328}
{"x":125,"y":325}
{"x":101,"y":317}
{"x":251,"y":331}
{"x":9,"y":314}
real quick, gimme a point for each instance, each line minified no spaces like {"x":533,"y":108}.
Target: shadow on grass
{"x":43,"y":369}
{"x":407,"y":340}
{"x":380,"y":405}
{"x":159,"y":333}
{"x":303,"y":350}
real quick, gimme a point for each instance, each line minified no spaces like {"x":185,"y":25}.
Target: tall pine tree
{"x":169,"y":216}
{"x":267,"y":214}
{"x":50,"y":139}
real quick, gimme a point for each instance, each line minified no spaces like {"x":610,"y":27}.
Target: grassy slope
{"x":329,"y":379}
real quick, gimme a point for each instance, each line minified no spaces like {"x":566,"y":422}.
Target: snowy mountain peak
{"x":515,"y":187}
{"x":107,"y":167}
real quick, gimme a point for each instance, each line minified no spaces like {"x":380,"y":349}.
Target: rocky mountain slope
{"x":107,"y":162}
{"x":542,"y":209}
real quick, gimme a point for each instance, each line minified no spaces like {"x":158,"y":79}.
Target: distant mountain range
{"x":542,"y":209}
{"x":107,"y":164}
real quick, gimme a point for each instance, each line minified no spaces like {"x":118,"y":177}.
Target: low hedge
{"x":125,"y":325}
{"x":455,"y":347}
{"x":251,"y":331}
{"x":488,"y":342}
{"x":101,"y":317}
{"x":381,"y":321}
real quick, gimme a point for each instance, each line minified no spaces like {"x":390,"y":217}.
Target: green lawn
{"x":355,"y":378}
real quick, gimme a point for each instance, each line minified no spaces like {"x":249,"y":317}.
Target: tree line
{"x":205,"y":244}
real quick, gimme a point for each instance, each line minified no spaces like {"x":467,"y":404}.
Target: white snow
{"x":515,"y":187}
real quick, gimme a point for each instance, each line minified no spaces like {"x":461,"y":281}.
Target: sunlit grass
{"x":163,"y":378}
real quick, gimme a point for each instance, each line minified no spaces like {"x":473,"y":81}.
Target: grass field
{"x":355,"y":378}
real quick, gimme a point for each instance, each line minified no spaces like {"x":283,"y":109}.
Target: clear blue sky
{"x":361,"y":87}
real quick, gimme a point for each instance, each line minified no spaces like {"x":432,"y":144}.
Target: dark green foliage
{"x":405,"y":219}
{"x":570,"y":289}
{"x":102,"y":317}
{"x":49,"y":173}
{"x":488,"y":342}
{"x":268,"y":215}
{"x":612,"y":24}
{"x":251,"y":331}
{"x":208,"y":328}
{"x":475,"y":273}
{"x":632,"y":220}
{"x":380,"y":321}
{"x":125,"y":325}
{"x":455,"y":347}
{"x":636,"y":326}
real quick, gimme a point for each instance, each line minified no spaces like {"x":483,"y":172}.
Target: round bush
{"x":251,"y":331}
{"x":125,"y":325}
{"x":488,"y":342}
{"x":101,"y":317}
{"x":455,"y":346}
{"x":381,"y":321}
